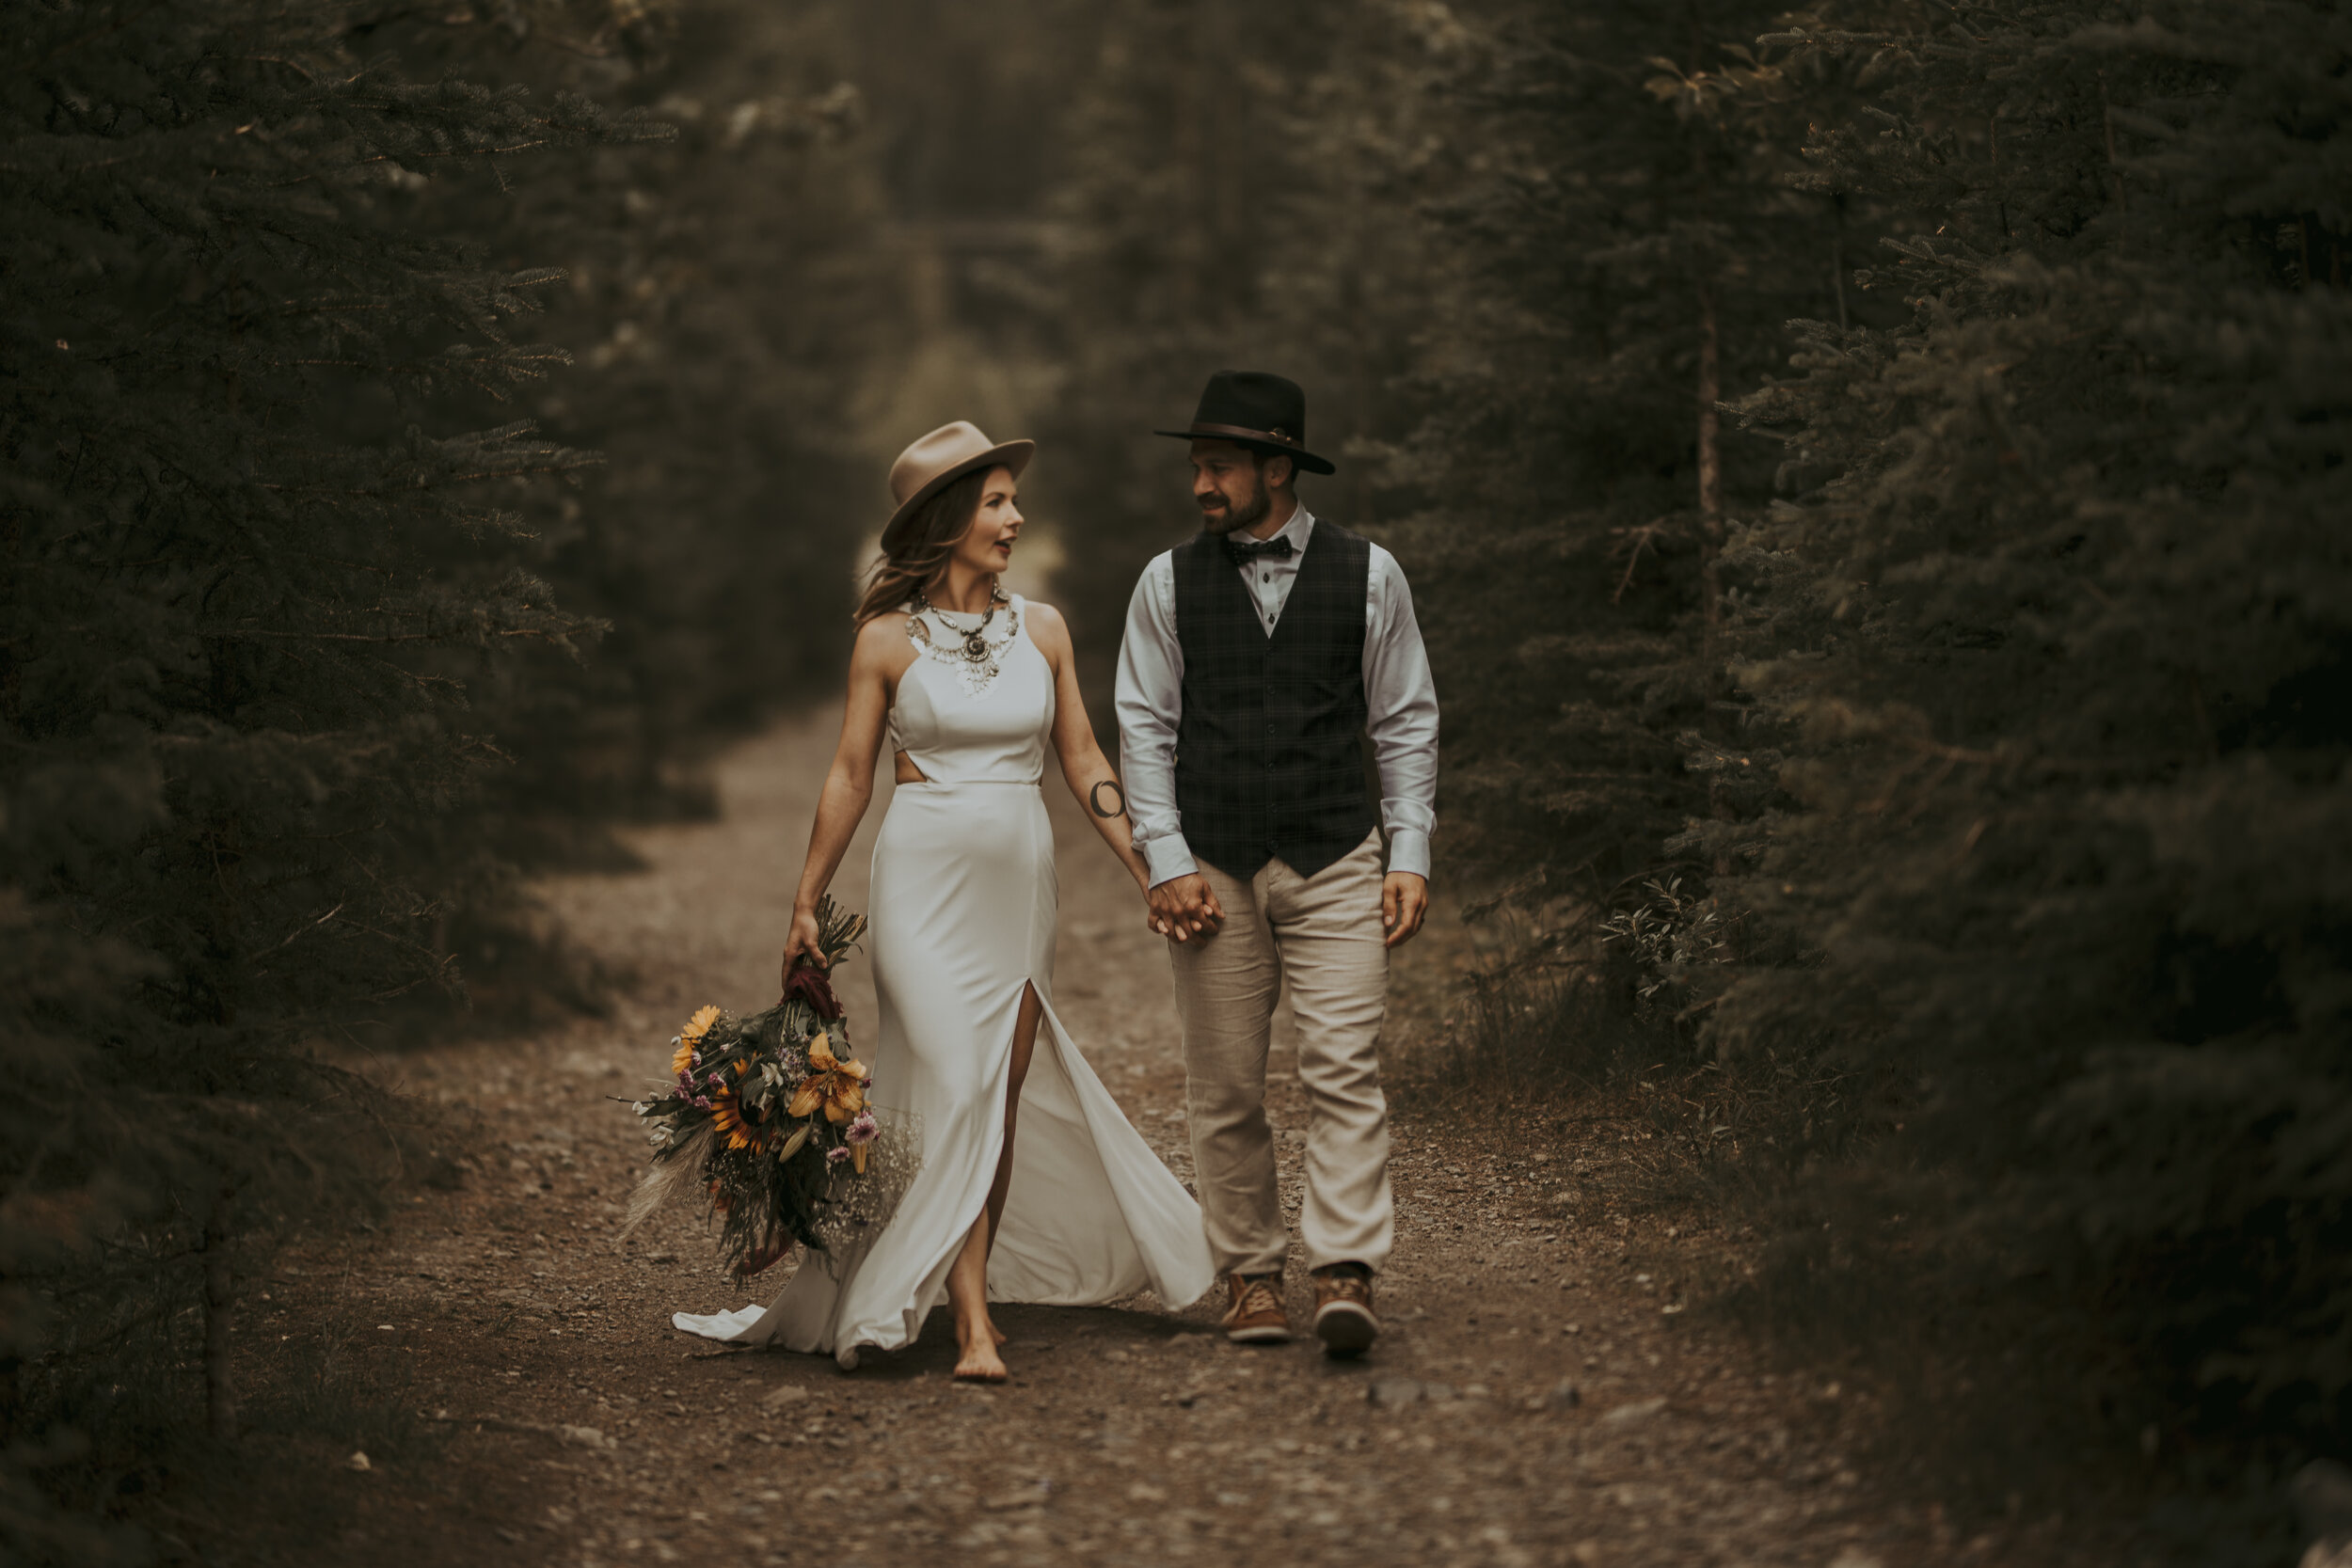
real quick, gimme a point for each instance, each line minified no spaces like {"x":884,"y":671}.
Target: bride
{"x":970,"y":687}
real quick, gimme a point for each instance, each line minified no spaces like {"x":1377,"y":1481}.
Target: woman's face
{"x":987,"y":545}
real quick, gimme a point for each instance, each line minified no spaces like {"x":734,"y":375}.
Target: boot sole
{"x":1269,"y":1336}
{"x":1346,"y":1328}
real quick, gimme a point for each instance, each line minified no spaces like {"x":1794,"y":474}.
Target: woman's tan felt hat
{"x":937,"y":461}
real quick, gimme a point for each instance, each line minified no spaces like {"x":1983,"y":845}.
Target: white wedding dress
{"x":963,"y":905}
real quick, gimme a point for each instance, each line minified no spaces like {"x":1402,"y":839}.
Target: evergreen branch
{"x":542,"y":633}
{"x":297,"y":932}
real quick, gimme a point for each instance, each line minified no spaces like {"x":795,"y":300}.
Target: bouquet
{"x":769,"y":1116}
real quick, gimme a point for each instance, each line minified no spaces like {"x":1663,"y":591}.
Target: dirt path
{"x":1131,"y":1434}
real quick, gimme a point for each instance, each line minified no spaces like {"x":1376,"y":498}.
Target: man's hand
{"x":1183,"y":908}
{"x":1404,"y":903}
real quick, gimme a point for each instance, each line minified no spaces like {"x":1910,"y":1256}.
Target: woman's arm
{"x":1083,"y":764}
{"x":881,"y":656}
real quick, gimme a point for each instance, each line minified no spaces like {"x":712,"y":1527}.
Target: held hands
{"x":1183,"y":907}
{"x":1404,"y":903}
{"x":803,"y":943}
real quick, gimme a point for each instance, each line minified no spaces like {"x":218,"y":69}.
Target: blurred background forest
{"x":1871,"y":475}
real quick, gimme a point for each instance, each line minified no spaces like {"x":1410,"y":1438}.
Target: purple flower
{"x":834,"y":1156}
{"x":865,"y":1130}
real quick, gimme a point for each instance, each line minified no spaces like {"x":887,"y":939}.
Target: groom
{"x":1257,"y":657}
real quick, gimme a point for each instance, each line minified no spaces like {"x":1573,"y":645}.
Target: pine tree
{"x":1634,"y":250}
{"x":2055,"y":620}
{"x":1236,"y":197}
{"x":1518,"y":256}
{"x":250,"y":566}
{"x":731,"y":300}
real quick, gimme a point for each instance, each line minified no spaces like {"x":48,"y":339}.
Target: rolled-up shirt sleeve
{"x":1148,"y":702}
{"x":1402,"y":698}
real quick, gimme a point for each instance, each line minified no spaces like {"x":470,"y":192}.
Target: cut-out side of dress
{"x":962,"y":915}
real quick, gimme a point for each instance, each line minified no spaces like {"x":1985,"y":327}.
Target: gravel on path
{"x":1539,"y":1396}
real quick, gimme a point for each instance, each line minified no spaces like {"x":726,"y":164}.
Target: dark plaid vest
{"x":1269,"y":757}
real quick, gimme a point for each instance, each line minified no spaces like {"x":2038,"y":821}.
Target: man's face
{"x":1228,"y":486}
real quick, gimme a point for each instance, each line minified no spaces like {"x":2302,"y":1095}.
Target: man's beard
{"x":1233,"y":519}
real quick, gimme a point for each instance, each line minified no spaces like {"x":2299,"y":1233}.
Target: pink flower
{"x":865,"y":1130}
{"x":834,"y":1156}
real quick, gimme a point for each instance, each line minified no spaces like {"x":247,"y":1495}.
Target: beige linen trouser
{"x":1322,"y":937}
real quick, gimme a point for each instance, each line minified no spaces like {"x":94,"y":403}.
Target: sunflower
{"x":690,"y":1037}
{"x":838,"y":1086}
{"x":726,"y":1121}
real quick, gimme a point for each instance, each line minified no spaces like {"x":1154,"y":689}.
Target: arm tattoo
{"x":1094,"y":797}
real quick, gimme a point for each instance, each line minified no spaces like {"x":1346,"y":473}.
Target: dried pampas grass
{"x":675,"y":1174}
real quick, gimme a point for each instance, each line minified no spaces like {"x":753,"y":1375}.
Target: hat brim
{"x":1299,"y":455}
{"x":1011,"y":454}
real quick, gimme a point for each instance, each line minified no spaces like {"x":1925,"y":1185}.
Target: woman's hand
{"x":801,"y":944}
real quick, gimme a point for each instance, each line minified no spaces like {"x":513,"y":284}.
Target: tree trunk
{"x":220,"y":1399}
{"x":1710,"y":455}
{"x":1710,"y":392}
{"x":1837,"y":256}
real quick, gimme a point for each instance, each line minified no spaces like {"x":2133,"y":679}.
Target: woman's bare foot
{"x":980,"y":1363}
{"x":997,"y":1334}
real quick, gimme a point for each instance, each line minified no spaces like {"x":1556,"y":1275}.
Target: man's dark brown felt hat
{"x":1256,"y":408}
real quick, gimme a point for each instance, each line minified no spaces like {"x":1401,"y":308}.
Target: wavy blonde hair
{"x":921,"y":554}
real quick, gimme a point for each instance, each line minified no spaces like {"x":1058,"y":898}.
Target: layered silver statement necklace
{"x":974,"y":655}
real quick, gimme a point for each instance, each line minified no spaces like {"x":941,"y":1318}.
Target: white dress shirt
{"x":1398,"y":691}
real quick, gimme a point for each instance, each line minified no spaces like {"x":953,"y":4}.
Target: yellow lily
{"x":837,"y":1085}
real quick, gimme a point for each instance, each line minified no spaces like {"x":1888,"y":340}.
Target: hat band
{"x":1243,"y":432}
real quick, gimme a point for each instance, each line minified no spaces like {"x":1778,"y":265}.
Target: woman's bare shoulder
{"x":1045,"y":618}
{"x":882,"y":641}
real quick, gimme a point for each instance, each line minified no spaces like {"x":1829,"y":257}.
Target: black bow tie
{"x":1243,"y":551}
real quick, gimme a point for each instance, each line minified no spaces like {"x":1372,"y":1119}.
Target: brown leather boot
{"x":1255,"y":1316}
{"x":1344,"y":1321}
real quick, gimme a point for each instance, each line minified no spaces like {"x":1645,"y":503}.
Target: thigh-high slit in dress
{"x":961,"y":921}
